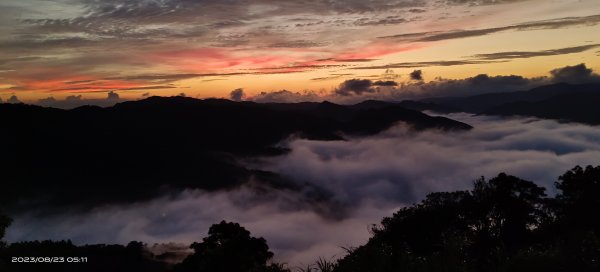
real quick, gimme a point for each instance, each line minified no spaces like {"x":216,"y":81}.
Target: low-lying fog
{"x":367,"y":178}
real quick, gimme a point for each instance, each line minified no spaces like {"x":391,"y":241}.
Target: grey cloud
{"x":47,"y":101}
{"x":231,"y":11}
{"x":485,"y":58}
{"x":416,"y":75}
{"x":297,"y":44}
{"x":73,"y":98}
{"x":482,"y":2}
{"x":457,"y":34}
{"x":574,"y":74}
{"x":357,"y":90}
{"x":26,"y":45}
{"x":355,"y":87}
{"x":18,"y":59}
{"x":484,"y":79}
{"x":388,"y":83}
{"x":285,"y":96}
{"x":389,"y":20}
{"x":531,"y":54}
{"x":13,"y":99}
{"x":74,"y":101}
{"x":166,"y":19}
{"x":423,"y":64}
{"x":237,"y":94}
{"x":479,"y":84}
{"x":331,"y":76}
{"x":236,"y":11}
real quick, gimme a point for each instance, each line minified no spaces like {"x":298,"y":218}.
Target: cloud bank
{"x":357,"y":90}
{"x":366,"y":178}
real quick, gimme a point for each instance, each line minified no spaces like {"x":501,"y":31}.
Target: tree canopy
{"x":4,"y":223}
{"x":229,"y":248}
{"x":502,"y":224}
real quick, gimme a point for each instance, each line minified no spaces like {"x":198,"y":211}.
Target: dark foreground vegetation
{"x":502,"y":224}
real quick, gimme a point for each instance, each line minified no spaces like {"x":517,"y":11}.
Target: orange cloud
{"x":57,"y":79}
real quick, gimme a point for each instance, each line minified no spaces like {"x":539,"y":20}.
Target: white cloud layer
{"x":371,"y":177}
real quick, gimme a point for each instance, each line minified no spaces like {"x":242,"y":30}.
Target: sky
{"x":99,"y":50}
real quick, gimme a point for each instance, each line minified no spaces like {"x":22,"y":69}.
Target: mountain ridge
{"x":82,"y":155}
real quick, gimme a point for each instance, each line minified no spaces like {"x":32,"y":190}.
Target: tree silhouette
{"x":5,"y":221}
{"x":229,"y":248}
{"x":477,"y":230}
{"x":576,"y":230}
{"x":580,"y":198}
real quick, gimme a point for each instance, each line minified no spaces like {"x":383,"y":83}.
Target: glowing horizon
{"x":206,"y":48}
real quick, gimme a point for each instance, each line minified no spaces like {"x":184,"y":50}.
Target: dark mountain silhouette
{"x":373,"y":104}
{"x":561,"y":101}
{"x":422,"y":106}
{"x":515,"y":103}
{"x":580,"y":107}
{"x":92,"y":155}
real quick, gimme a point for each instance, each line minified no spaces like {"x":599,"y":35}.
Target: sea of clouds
{"x":365,"y":180}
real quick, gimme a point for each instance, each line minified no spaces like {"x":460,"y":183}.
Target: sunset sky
{"x":54,"y":49}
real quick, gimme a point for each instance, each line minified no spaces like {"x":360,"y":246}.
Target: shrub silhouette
{"x":4,"y":223}
{"x":229,"y":248}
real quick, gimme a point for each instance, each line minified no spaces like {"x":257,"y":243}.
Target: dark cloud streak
{"x":532,"y":54}
{"x":459,"y":34}
{"x":424,"y":64}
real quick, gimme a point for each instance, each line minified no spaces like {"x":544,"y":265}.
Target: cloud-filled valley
{"x":352,"y":135}
{"x":366,"y":178}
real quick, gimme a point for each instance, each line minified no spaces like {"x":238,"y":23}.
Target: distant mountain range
{"x":135,"y":150}
{"x":562,"y":101}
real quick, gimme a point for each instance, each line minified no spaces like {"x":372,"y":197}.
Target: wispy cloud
{"x":459,"y":33}
{"x":532,"y":54}
{"x":487,"y":58}
{"x":423,"y":64}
